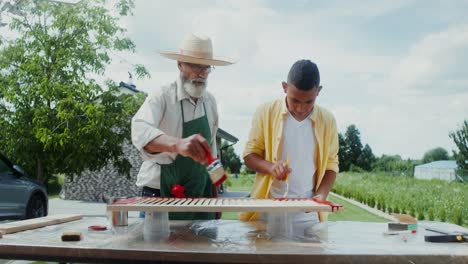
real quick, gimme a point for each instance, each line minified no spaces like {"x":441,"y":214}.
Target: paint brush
{"x":215,"y":168}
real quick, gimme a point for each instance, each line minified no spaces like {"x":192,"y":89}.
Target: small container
{"x":278,"y":189}
{"x":119,"y":218}
{"x":156,"y":226}
{"x":279,"y":224}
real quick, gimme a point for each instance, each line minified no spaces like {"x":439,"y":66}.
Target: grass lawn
{"x":350,"y":213}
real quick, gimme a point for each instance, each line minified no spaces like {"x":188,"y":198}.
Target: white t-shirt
{"x":299,"y":145}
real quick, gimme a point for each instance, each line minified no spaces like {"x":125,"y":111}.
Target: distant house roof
{"x":226,"y":136}
{"x":441,"y":164}
{"x":131,"y":87}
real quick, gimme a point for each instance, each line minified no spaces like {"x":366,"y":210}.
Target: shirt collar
{"x":285,"y":111}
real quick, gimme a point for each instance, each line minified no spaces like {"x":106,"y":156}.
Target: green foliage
{"x":366,"y":159}
{"x":351,"y":153}
{"x":430,"y":214}
{"x":246,"y":170}
{"x":343,"y":153}
{"x":353,"y":140}
{"x":433,"y":200}
{"x":394,"y":165}
{"x":54,"y":118}
{"x":435,"y":155}
{"x":243,"y":183}
{"x":354,"y":168}
{"x":442,"y":214}
{"x":229,"y":158}
{"x":460,"y":137}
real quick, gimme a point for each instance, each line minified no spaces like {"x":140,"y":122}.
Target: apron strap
{"x":182,"y":110}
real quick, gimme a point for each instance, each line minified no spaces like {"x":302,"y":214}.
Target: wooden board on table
{"x":18,"y":226}
{"x":151,"y":204}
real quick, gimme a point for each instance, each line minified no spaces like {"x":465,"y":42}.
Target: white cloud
{"x":377,"y":91}
{"x":436,"y":63}
{"x":403,"y":100}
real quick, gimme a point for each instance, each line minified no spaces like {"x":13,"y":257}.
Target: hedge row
{"x":423,"y":199}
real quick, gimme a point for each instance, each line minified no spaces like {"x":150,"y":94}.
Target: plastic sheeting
{"x":234,"y":241}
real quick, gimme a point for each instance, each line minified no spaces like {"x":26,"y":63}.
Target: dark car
{"x":20,"y":197}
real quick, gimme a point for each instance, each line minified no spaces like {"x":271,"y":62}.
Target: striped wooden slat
{"x":154,"y":204}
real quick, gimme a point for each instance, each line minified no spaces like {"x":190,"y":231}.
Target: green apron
{"x":187,"y":172}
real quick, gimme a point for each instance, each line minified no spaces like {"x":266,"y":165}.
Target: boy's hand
{"x":319,"y":197}
{"x":280,"y":170}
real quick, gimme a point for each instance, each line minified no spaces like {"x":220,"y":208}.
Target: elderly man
{"x":175,"y":127}
{"x":294,"y":139}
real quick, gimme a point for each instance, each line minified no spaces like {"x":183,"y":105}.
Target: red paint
{"x":97,"y":227}
{"x":335,"y":207}
{"x":279,"y":199}
{"x":220,"y":180}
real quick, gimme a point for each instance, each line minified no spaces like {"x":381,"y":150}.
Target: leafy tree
{"x":10,"y":8}
{"x":343,"y":153}
{"x":394,"y":165}
{"x":353,"y":141}
{"x":435,"y":155}
{"x":229,"y":158}
{"x":366,"y":159}
{"x":350,"y":148}
{"x":54,"y":118}
{"x":460,"y":137}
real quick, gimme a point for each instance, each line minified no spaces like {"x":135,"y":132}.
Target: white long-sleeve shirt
{"x":161,"y":114}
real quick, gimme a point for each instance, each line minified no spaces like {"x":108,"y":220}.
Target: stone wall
{"x":91,"y":185}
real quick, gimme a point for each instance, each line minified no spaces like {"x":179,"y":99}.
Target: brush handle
{"x":209,"y":157}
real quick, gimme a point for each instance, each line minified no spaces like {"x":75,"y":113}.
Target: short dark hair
{"x":304,"y":74}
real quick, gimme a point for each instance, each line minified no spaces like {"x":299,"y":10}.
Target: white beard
{"x":193,"y":90}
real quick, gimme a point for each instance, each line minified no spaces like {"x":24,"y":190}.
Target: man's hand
{"x":193,"y":147}
{"x":279,"y":170}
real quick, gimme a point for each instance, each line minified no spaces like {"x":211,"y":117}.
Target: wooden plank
{"x":223,"y":205}
{"x":18,"y":226}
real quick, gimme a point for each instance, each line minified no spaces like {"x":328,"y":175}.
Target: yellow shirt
{"x":266,"y":140}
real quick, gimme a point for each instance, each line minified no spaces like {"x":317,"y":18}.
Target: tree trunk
{"x":40,"y":171}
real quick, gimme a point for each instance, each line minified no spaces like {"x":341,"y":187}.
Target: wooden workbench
{"x":226,"y":241}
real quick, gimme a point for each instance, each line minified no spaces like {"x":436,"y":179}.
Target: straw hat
{"x":197,"y":50}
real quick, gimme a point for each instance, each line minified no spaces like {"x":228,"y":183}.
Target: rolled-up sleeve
{"x":256,"y":141}
{"x":333,"y":146}
{"x":145,"y":124}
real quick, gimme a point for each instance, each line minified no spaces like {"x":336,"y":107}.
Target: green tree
{"x":351,"y":147}
{"x":353,"y":139}
{"x":54,"y":118}
{"x":229,"y":158}
{"x":435,"y":155}
{"x":366,"y":159}
{"x":460,"y":137}
{"x":394,"y":165}
{"x":343,"y":153}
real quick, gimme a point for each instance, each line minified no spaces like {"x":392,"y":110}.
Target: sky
{"x":395,"y":69}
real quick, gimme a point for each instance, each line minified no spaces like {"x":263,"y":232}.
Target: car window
{"x":4,"y":169}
